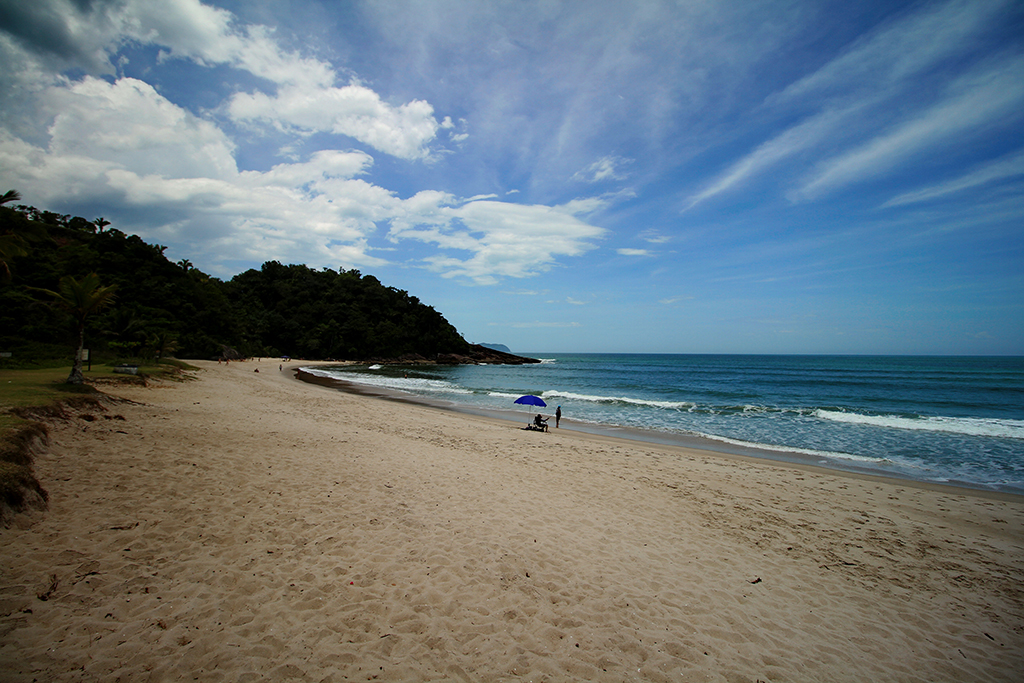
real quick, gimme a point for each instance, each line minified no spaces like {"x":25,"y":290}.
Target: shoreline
{"x":711,"y":446}
{"x":247,"y":526}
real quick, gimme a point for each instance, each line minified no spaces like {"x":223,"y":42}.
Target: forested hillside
{"x":327,"y":314}
{"x":165,"y":308}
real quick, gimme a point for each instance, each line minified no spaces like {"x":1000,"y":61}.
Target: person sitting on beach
{"x":541,"y":423}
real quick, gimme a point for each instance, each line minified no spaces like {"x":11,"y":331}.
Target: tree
{"x":163,"y":343}
{"x":81,"y":298}
{"x":10,"y":245}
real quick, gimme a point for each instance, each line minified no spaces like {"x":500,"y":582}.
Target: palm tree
{"x":101,"y":223}
{"x":10,"y":245}
{"x":81,"y":298}
{"x":163,"y":343}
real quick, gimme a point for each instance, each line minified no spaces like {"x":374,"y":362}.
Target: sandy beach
{"x":246,"y":526}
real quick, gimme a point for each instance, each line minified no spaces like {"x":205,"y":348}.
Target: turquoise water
{"x":942,"y":419}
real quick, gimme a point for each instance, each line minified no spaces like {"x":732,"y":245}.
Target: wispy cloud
{"x":874,"y":78}
{"x":606,"y":168}
{"x":503,"y":240}
{"x":655,"y":237}
{"x":633,"y":252}
{"x":970,"y":103}
{"x":807,"y":134}
{"x":1009,"y":166}
{"x":899,"y":51}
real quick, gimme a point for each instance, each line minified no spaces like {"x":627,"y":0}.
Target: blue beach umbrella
{"x":531,"y":400}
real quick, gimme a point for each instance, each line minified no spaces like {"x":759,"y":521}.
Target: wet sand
{"x":248,"y":526}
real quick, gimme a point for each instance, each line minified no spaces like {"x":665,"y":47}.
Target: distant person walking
{"x":558,"y":415}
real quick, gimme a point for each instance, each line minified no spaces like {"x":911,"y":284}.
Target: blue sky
{"x":707,"y":177}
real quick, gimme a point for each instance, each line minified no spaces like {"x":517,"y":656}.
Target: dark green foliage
{"x":164,"y":307}
{"x":308,"y":313}
{"x":155,"y":296}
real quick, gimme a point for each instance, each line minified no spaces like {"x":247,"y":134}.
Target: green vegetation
{"x":166,"y":308}
{"x":81,"y":298}
{"x":29,"y":394}
{"x":298,"y":311}
{"x":58,"y":278}
{"x":21,"y":391}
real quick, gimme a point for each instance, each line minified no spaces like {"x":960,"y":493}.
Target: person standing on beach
{"x":558,"y":415}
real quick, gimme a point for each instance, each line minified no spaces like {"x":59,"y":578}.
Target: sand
{"x":246,"y":526}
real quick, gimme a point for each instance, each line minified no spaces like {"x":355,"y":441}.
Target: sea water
{"x":940,"y":419}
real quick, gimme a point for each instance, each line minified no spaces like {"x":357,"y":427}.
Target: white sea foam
{"x":831,"y":455}
{"x":502,"y":394}
{"x":971,"y":426}
{"x":320,"y":372}
{"x":803,"y":451}
{"x":411,"y":384}
{"x":668,"y":405}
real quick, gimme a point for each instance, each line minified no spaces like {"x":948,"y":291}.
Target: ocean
{"x":956,"y":420}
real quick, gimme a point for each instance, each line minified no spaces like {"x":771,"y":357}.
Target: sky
{"x":695,"y":176}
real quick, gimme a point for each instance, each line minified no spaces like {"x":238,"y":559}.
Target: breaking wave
{"x":971,"y":426}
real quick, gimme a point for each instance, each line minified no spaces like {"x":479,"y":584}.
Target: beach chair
{"x":539,"y":424}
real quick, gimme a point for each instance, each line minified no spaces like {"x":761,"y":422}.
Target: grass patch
{"x":39,"y":387}
{"x":30,"y":388}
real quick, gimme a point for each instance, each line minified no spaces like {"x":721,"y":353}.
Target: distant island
{"x":162,"y":308}
{"x":496,"y":347}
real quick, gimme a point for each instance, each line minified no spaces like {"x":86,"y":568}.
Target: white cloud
{"x":124,"y":143}
{"x":633,"y":252}
{"x":792,"y":141}
{"x":328,"y":163}
{"x":971,"y":103}
{"x":1000,"y":169}
{"x":502,"y":240}
{"x":901,"y":50}
{"x":305,"y":98}
{"x":353,"y":110}
{"x":654,"y":237}
{"x":129,"y":125}
{"x":606,"y":168}
{"x":67,"y":33}
{"x":866,"y":84}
